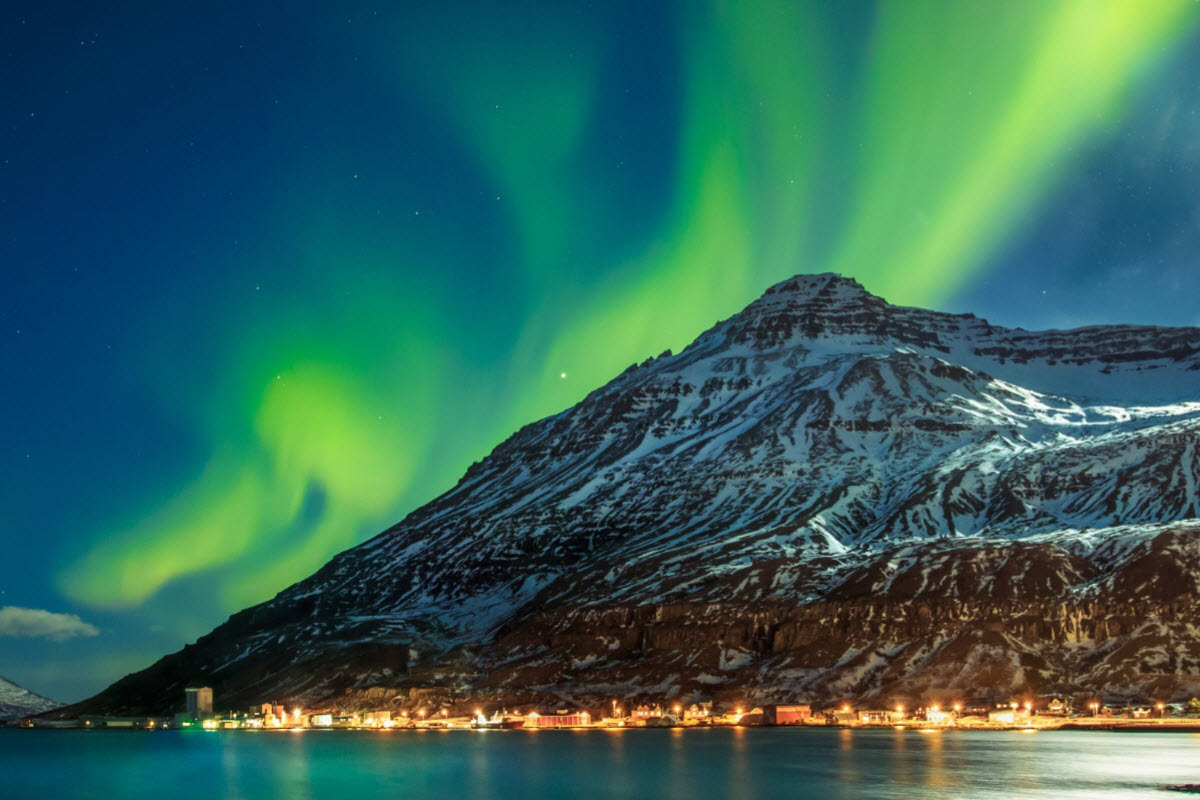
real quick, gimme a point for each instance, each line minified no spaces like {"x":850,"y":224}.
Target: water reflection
{"x":479,"y":766}
{"x":900,"y":765}
{"x":229,"y":767}
{"x":847,"y":758}
{"x":739,"y":774}
{"x":292,"y":772}
{"x":936,"y":774}
{"x":596,"y":765}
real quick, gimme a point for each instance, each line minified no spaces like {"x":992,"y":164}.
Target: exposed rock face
{"x":17,"y":702}
{"x":823,"y":496}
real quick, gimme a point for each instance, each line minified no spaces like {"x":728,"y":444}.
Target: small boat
{"x":498,"y":722}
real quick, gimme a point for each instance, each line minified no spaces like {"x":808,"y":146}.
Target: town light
{"x":934,"y":709}
{"x":957,"y":707}
{"x":899,"y":709}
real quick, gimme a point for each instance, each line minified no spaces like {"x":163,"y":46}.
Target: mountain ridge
{"x":775,"y":469}
{"x":17,"y":702}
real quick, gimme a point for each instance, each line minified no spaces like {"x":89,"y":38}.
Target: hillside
{"x":823,"y":496}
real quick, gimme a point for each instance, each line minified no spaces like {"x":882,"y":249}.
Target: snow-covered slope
{"x":821,"y":456}
{"x":16,"y":702}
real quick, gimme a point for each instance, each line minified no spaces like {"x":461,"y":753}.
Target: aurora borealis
{"x":272,"y":281}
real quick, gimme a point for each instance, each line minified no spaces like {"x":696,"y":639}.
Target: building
{"x":199,"y":700}
{"x":841,"y":716}
{"x":131,"y":723}
{"x":645,"y":712}
{"x":940,"y":716}
{"x":378,"y":719}
{"x":1056,"y":707}
{"x":1009,"y":715}
{"x":979,"y":707}
{"x":579,"y":719}
{"x":796,"y":714}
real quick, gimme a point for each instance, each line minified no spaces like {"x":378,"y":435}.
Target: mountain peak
{"x":829,"y":315}
{"x":808,"y":307}
{"x":828,"y":286}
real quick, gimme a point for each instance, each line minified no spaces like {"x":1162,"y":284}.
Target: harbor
{"x":1050,"y":712}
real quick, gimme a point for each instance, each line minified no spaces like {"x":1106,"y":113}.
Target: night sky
{"x":271,"y":279}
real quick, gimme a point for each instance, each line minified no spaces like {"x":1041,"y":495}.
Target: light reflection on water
{"x":497,"y":765}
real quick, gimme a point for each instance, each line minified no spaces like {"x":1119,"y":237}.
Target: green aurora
{"x":900,"y":144}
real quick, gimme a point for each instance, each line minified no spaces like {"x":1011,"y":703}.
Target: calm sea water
{"x":732,"y":763}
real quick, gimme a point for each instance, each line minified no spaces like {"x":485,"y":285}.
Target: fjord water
{"x":726,"y":763}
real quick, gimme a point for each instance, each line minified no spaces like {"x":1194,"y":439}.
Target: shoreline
{"x":1098,"y":727}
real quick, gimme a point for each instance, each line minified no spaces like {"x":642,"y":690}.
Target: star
{"x":562,"y":375}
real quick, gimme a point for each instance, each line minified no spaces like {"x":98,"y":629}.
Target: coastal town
{"x":1024,"y":714}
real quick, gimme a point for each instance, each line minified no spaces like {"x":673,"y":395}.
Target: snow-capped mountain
{"x":824,"y":495}
{"x":16,"y":702}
